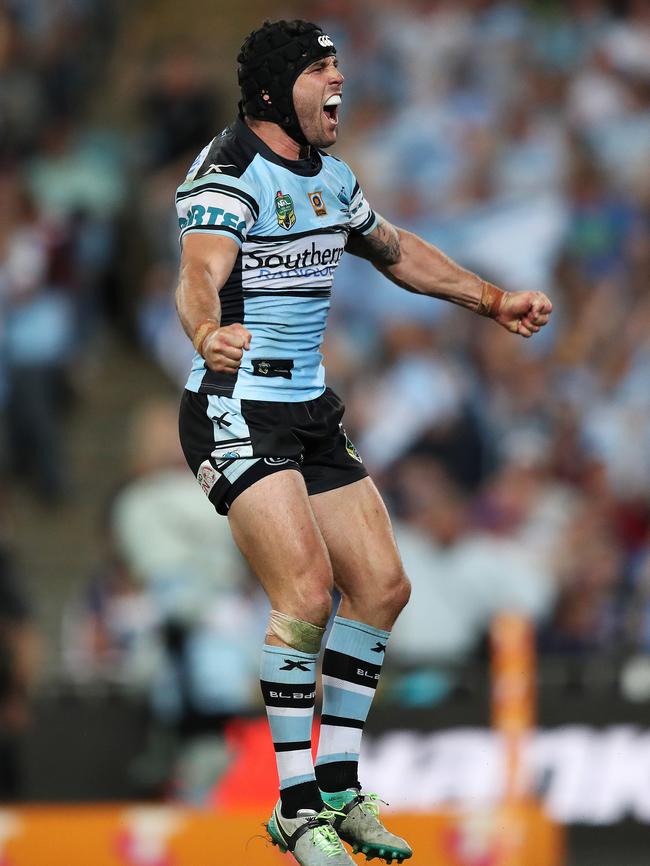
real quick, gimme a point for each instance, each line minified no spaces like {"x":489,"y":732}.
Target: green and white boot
{"x":357,"y":822}
{"x":310,"y":837}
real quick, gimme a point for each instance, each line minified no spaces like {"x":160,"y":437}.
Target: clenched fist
{"x":223,"y":348}
{"x":524,"y":313}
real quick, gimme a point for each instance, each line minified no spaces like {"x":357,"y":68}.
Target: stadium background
{"x":514,"y":135}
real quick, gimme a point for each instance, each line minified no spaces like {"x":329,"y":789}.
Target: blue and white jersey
{"x":291,"y":220}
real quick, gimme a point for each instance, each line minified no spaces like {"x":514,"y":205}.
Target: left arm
{"x":419,"y":267}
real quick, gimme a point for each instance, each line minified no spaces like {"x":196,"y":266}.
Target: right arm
{"x":206,"y":263}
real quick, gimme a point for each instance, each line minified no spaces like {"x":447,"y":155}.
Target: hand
{"x":524,"y":313}
{"x":224,"y":347}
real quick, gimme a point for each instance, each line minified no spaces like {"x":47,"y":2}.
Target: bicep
{"x":210,"y":254}
{"x":381,"y":246}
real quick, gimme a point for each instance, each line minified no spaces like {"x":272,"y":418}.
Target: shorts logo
{"x":316,"y":199}
{"x":206,"y":476}
{"x":276,"y":461}
{"x":325,"y":41}
{"x":285,"y":210}
{"x":264,"y":368}
{"x":350,"y":448}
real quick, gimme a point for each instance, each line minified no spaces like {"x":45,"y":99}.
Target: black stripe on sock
{"x":353,"y":670}
{"x":286,"y":695}
{"x":341,"y":722}
{"x":304,"y":795}
{"x":292,"y":746}
{"x":338,"y":775}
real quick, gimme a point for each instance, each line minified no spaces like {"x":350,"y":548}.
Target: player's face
{"x":316,"y":98}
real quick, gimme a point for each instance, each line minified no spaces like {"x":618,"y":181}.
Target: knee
{"x":382,"y":598}
{"x":318,"y":605}
{"x":397,"y":592}
{"x":312,"y":596}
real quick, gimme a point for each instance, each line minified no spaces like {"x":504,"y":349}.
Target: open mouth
{"x":331,"y":109}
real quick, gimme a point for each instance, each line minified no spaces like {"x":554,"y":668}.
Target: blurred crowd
{"x":516,"y":136}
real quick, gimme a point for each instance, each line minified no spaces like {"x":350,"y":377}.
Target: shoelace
{"x":370,"y":804}
{"x":324,"y":836}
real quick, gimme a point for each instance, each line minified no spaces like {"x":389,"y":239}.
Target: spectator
{"x":521,"y":134}
{"x":172,"y":614}
{"x":35,"y":366}
{"x":461,"y":576}
{"x":180,"y":107}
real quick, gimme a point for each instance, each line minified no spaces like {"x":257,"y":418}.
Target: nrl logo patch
{"x":285,"y":210}
{"x":351,"y":449}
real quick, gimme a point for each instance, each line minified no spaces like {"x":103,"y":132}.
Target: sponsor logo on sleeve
{"x":198,"y":215}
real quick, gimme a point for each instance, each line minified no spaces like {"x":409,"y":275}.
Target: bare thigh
{"x":274,"y":526}
{"x":367,"y":568}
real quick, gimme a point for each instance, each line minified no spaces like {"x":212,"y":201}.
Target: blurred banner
{"x":133,"y":835}
{"x":580,"y":774}
{"x":589,"y":759}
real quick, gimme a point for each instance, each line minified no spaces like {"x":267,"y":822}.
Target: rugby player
{"x":265,"y":216}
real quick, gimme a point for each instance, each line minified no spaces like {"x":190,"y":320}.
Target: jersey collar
{"x":308,"y":167}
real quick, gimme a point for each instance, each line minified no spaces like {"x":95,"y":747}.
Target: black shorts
{"x":230,"y":444}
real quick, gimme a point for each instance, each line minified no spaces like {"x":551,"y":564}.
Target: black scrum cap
{"x":270,"y":60}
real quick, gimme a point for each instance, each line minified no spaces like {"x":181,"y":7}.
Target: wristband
{"x":205,"y":327}
{"x":490,"y":302}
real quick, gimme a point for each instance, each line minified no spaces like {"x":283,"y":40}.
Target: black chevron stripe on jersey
{"x":294,"y":236}
{"x":239,"y":194}
{"x":220,"y":228}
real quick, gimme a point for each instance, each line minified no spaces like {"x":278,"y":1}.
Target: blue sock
{"x":288,"y":679}
{"x":351,"y":664}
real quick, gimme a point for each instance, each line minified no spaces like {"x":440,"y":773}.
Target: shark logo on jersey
{"x":285,"y":210}
{"x":343,"y":197}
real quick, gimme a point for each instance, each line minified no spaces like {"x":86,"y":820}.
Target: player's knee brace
{"x":296,"y":633}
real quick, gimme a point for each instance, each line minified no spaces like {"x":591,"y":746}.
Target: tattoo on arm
{"x":381,"y":246}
